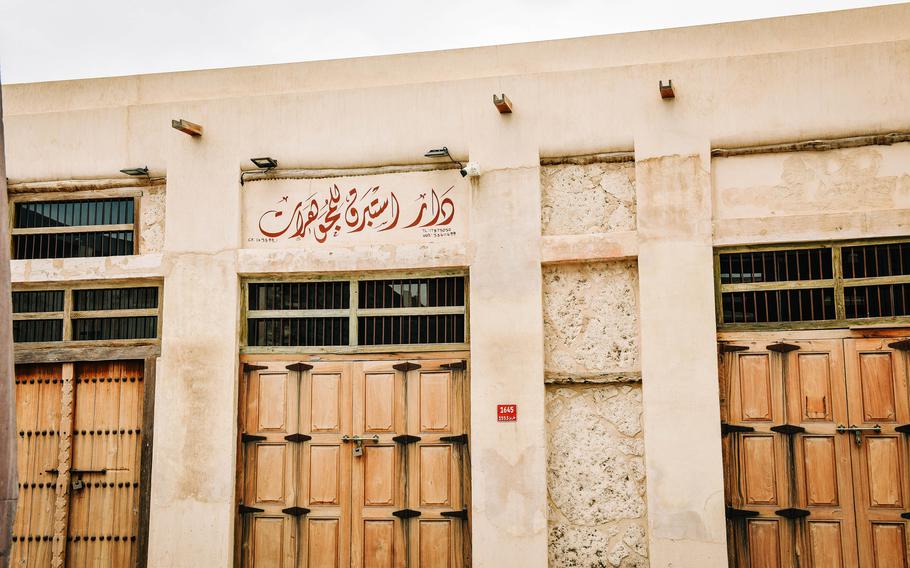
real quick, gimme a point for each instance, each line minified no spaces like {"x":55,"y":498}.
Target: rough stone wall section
{"x":591,"y":318}
{"x":151,"y":220}
{"x":595,"y":467}
{"x":594,"y":198}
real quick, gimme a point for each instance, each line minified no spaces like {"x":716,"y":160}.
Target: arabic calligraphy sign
{"x":379,"y":209}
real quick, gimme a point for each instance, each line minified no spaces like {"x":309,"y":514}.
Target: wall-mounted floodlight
{"x":470,"y":169}
{"x":666,"y":91}
{"x":265,"y":163}
{"x":438,"y":153}
{"x":136,"y":171}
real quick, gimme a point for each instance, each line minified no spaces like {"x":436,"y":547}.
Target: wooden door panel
{"x":760,"y":468}
{"x":826,"y":544}
{"x":819,"y":454}
{"x":324,"y":548}
{"x":107,"y":438}
{"x":791,"y":394}
{"x":267,"y":414}
{"x":325,"y":465}
{"x":878,"y":397}
{"x":38,"y":392}
{"x":323,"y":470}
{"x":889,"y":545}
{"x":269,"y":535}
{"x":379,"y":544}
{"x":435,"y":544}
{"x":378,"y":489}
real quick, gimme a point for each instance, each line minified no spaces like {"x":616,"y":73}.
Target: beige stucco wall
{"x":825,"y":75}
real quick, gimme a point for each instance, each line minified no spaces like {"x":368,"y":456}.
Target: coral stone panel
{"x":594,"y":198}
{"x":596,"y":476}
{"x":591,"y":318}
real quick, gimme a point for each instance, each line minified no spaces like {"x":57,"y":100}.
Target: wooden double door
{"x":79,"y":452}
{"x":354,"y":463}
{"x":815,"y":439}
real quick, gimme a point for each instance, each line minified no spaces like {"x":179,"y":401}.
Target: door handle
{"x":858,"y":431}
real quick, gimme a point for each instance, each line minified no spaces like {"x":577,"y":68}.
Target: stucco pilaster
{"x":508,"y":459}
{"x":194,"y":463}
{"x":678,"y":357}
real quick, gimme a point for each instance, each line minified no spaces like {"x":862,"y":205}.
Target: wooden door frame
{"x":148,"y":354}
{"x":857,"y":332}
{"x":404,"y":354}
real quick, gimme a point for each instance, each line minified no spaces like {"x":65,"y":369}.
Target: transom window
{"x":814,"y":286}
{"x":72,"y":315}
{"x":330,"y":314}
{"x":74,"y":228}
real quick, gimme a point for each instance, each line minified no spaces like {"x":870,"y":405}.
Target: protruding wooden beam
{"x":502,"y":104}
{"x":187,"y":127}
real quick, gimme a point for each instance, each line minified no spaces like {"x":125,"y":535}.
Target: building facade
{"x":662,"y":324}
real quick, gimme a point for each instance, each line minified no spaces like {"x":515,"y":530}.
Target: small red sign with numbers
{"x":506,"y":412}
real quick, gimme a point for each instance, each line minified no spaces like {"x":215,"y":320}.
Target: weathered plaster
{"x":594,"y":198}
{"x":151,"y":220}
{"x":870,"y":178}
{"x":591,"y":317}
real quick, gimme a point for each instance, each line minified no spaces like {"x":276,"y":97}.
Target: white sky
{"x":45,"y":40}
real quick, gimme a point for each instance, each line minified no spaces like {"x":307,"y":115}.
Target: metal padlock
{"x":78,"y":484}
{"x":358,"y":448}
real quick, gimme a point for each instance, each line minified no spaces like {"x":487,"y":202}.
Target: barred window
{"x":353,"y":313}
{"x":73,"y":228}
{"x":813,"y":286}
{"x":86,"y":314}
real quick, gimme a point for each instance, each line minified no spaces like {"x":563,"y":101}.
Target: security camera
{"x":471,"y":169}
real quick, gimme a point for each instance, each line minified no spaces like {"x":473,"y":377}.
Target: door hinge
{"x":788,"y":429}
{"x":251,"y":438}
{"x":298,"y":438}
{"x":244,"y":509}
{"x":408,"y":366}
{"x":456,"y":366}
{"x":295,"y":511}
{"x":905,"y":515}
{"x":902,"y":345}
{"x":734,"y":428}
{"x":406,"y":439}
{"x":459,"y":439}
{"x":249,"y":367}
{"x":406,"y":513}
{"x":903,"y":429}
{"x":734,"y":513}
{"x":728,"y":348}
{"x":299,"y":367}
{"x":792,"y":513}
{"x":462,"y":514}
{"x":782,"y":347}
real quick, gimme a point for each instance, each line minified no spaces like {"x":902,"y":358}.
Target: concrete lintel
{"x":69,"y":269}
{"x":352,"y":258}
{"x":587,"y":248}
{"x":826,"y":226}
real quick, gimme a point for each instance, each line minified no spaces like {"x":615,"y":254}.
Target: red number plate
{"x":506,"y":412}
